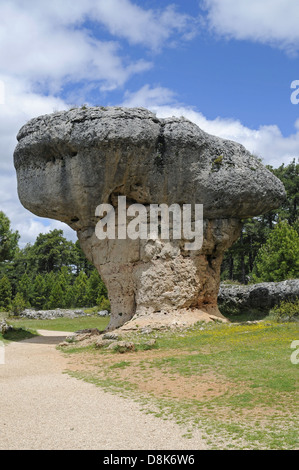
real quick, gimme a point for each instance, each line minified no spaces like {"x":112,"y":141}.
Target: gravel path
{"x":42,"y":408}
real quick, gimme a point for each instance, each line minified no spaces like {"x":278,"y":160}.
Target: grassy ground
{"x":235,"y":382}
{"x":17,"y":334}
{"x":27,"y":327}
{"x":62,"y":324}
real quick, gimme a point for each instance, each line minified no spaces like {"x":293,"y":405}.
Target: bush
{"x":104,"y":304}
{"x":18,"y":304}
{"x":286,"y":311}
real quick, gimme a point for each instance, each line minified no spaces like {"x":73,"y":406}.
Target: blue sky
{"x":227,"y":65}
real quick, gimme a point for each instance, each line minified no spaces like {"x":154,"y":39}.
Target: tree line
{"x":54,"y":272}
{"x":51,"y":273}
{"x":268,"y":248}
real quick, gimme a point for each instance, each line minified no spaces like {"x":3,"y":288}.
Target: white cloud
{"x":149,"y":97}
{"x":267,"y":142}
{"x":50,"y":43}
{"x":20,"y":105}
{"x":30,"y":228}
{"x":36,"y":48}
{"x":46,"y":45}
{"x":273,"y":22}
{"x":148,"y":27}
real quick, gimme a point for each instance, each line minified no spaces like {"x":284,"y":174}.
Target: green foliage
{"x":80,"y":261}
{"x":286,"y":311}
{"x":18,"y":304}
{"x":289,"y":175}
{"x":56,"y":299}
{"x":104,"y":304}
{"x":94,"y":287}
{"x":52,"y":251}
{"x":80,"y":290}
{"x":5,"y":293}
{"x":40,"y":292}
{"x":8,"y":239}
{"x":51,"y":273}
{"x":25,"y":288}
{"x":217,"y":162}
{"x":278,"y":259}
{"x":59,"y":294}
{"x":239,"y":260}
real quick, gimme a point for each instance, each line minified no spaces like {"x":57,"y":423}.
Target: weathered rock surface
{"x":51,"y":314}
{"x":68,"y":163}
{"x":5,"y":327}
{"x":255,"y":298}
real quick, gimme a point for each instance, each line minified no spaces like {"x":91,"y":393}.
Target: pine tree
{"x":239,"y":260}
{"x":8,"y":239}
{"x":278,"y":259}
{"x":80,"y":290}
{"x":94,"y":283}
{"x":39,"y":293}
{"x":5,"y":293}
{"x":25,"y":287}
{"x":52,"y":251}
{"x":56,"y":298}
{"x":18,"y":304}
{"x":65,"y":280}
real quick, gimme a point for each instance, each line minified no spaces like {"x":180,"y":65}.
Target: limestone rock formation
{"x":256,"y":298}
{"x":68,"y":163}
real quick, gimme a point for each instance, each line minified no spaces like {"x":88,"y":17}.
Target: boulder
{"x":121,"y":346}
{"x":69,"y":163}
{"x":5,"y":327}
{"x":103,"y":313}
{"x":51,"y":314}
{"x":256,"y":298}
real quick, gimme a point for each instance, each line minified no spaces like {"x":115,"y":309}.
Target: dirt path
{"x":42,"y":408}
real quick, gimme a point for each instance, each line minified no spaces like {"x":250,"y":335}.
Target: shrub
{"x":104,"y":303}
{"x":286,"y":311}
{"x":18,"y":304}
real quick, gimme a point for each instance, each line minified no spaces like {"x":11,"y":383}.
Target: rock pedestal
{"x":69,"y":163}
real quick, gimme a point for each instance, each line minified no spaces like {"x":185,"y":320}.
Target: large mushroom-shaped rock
{"x":69,"y":163}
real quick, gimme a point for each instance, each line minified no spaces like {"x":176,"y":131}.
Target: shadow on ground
{"x":44,"y":339}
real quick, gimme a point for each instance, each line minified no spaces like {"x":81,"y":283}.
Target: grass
{"x":234,"y":382}
{"x":18,"y":333}
{"x":62,"y":324}
{"x":26,"y":328}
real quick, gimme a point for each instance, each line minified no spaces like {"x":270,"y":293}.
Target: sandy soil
{"x":42,"y":408}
